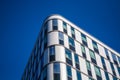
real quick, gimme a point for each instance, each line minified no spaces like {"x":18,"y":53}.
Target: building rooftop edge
{"x":58,"y":16}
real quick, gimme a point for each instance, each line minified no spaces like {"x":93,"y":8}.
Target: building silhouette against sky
{"x":63,"y":51}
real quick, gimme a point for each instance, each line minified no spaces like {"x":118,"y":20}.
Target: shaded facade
{"x":63,"y":51}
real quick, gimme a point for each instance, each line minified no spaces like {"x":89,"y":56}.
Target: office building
{"x":63,"y":51}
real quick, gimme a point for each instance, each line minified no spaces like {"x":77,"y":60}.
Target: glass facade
{"x":62,"y":54}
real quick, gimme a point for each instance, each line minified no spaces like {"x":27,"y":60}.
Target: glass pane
{"x":92,"y":54}
{"x":64,"y":25}
{"x":71,"y":41}
{"x":72,"y":30}
{"x":56,"y":67}
{"x":94,"y":44}
{"x":69,"y":72}
{"x":78,"y":75}
{"x":83,"y":37}
{"x":55,"y":23}
{"x":68,"y":54}
{"x":52,"y":50}
{"x":83,"y":48}
{"x":119,"y":59}
{"x":97,"y":71}
{"x":102,"y":59}
{"x":114,"y":57}
{"x":88,"y":65}
{"x":76,"y":58}
{"x":61,"y":37}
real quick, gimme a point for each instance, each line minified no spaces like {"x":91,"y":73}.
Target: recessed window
{"x":98,"y":73}
{"x":77,"y":61}
{"x":61,"y":38}
{"x":56,"y":71}
{"x":106,"y":75}
{"x":95,"y":47}
{"x":83,"y":51}
{"x":88,"y":68}
{"x":92,"y":55}
{"x":114,"y":58}
{"x":65,"y":27}
{"x":107,"y":54}
{"x":78,"y":75}
{"x":68,"y":56}
{"x":52,"y":53}
{"x":113,"y":69}
{"x":69,"y":73}
{"x":84,"y":40}
{"x":55,"y":24}
{"x":73,"y":32}
{"x":103,"y":63}
{"x":71,"y":44}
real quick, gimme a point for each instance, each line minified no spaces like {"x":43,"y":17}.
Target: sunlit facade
{"x":63,"y":51}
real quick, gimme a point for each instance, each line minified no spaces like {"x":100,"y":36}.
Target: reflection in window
{"x":77,"y":61}
{"x":95,"y":47}
{"x":73,"y":32}
{"x":69,"y":73}
{"x":68,"y":56}
{"x":78,"y":75}
{"x":88,"y":68}
{"x":107,"y":54}
{"x":103,"y":63}
{"x":52,"y":53}
{"x":98,"y":73}
{"x":92,"y":55}
{"x":83,"y":51}
{"x":56,"y":71}
{"x":84,"y":40}
{"x":65,"y":27}
{"x":61,"y":38}
{"x":55,"y":24}
{"x":71,"y":44}
{"x":114,"y":58}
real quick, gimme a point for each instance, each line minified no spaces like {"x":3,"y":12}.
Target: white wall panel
{"x":108,"y":66}
{"x":50,"y":72}
{"x":110,"y":55}
{"x":103,"y":74}
{"x":69,"y":30}
{"x":89,"y":41}
{"x":84,"y":77}
{"x":87,"y":54}
{"x":66,"y":44}
{"x":73,"y":74}
{"x":60,"y":53}
{"x":60,"y":25}
{"x":116,"y":70}
{"x":83,"y":65}
{"x":93,"y":71}
{"x":101,"y":51}
{"x":78,"y":36}
{"x":98,"y":60}
{"x":53,"y":38}
{"x":63,"y":72}
{"x":78,"y":48}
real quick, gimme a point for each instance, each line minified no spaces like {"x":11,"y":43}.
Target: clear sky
{"x":21,"y":20}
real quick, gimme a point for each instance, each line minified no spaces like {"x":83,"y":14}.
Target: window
{"x":78,"y":75}
{"x":103,"y":63}
{"x":45,"y":42}
{"x":114,"y":58}
{"x":88,"y":68}
{"x":91,"y":79}
{"x":119,"y":59}
{"x":61,"y":38}
{"x":113,"y":69}
{"x":83,"y":51}
{"x":98,"y":73}
{"x":71,"y":44}
{"x":84,"y":40}
{"x":119,"y":70}
{"x":73,"y":32}
{"x":77,"y":61}
{"x":65,"y":27}
{"x":52,"y":53}
{"x":114,"y":78}
{"x":55,"y":24}
{"x":106,"y":75}
{"x":107,"y":54}
{"x":56,"y":71}
{"x":95,"y":47}
{"x":92,"y":55}
{"x":45,"y":73}
{"x":68,"y":56}
{"x":69,"y":73}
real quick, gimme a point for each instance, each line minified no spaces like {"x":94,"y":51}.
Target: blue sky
{"x":21,"y":20}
